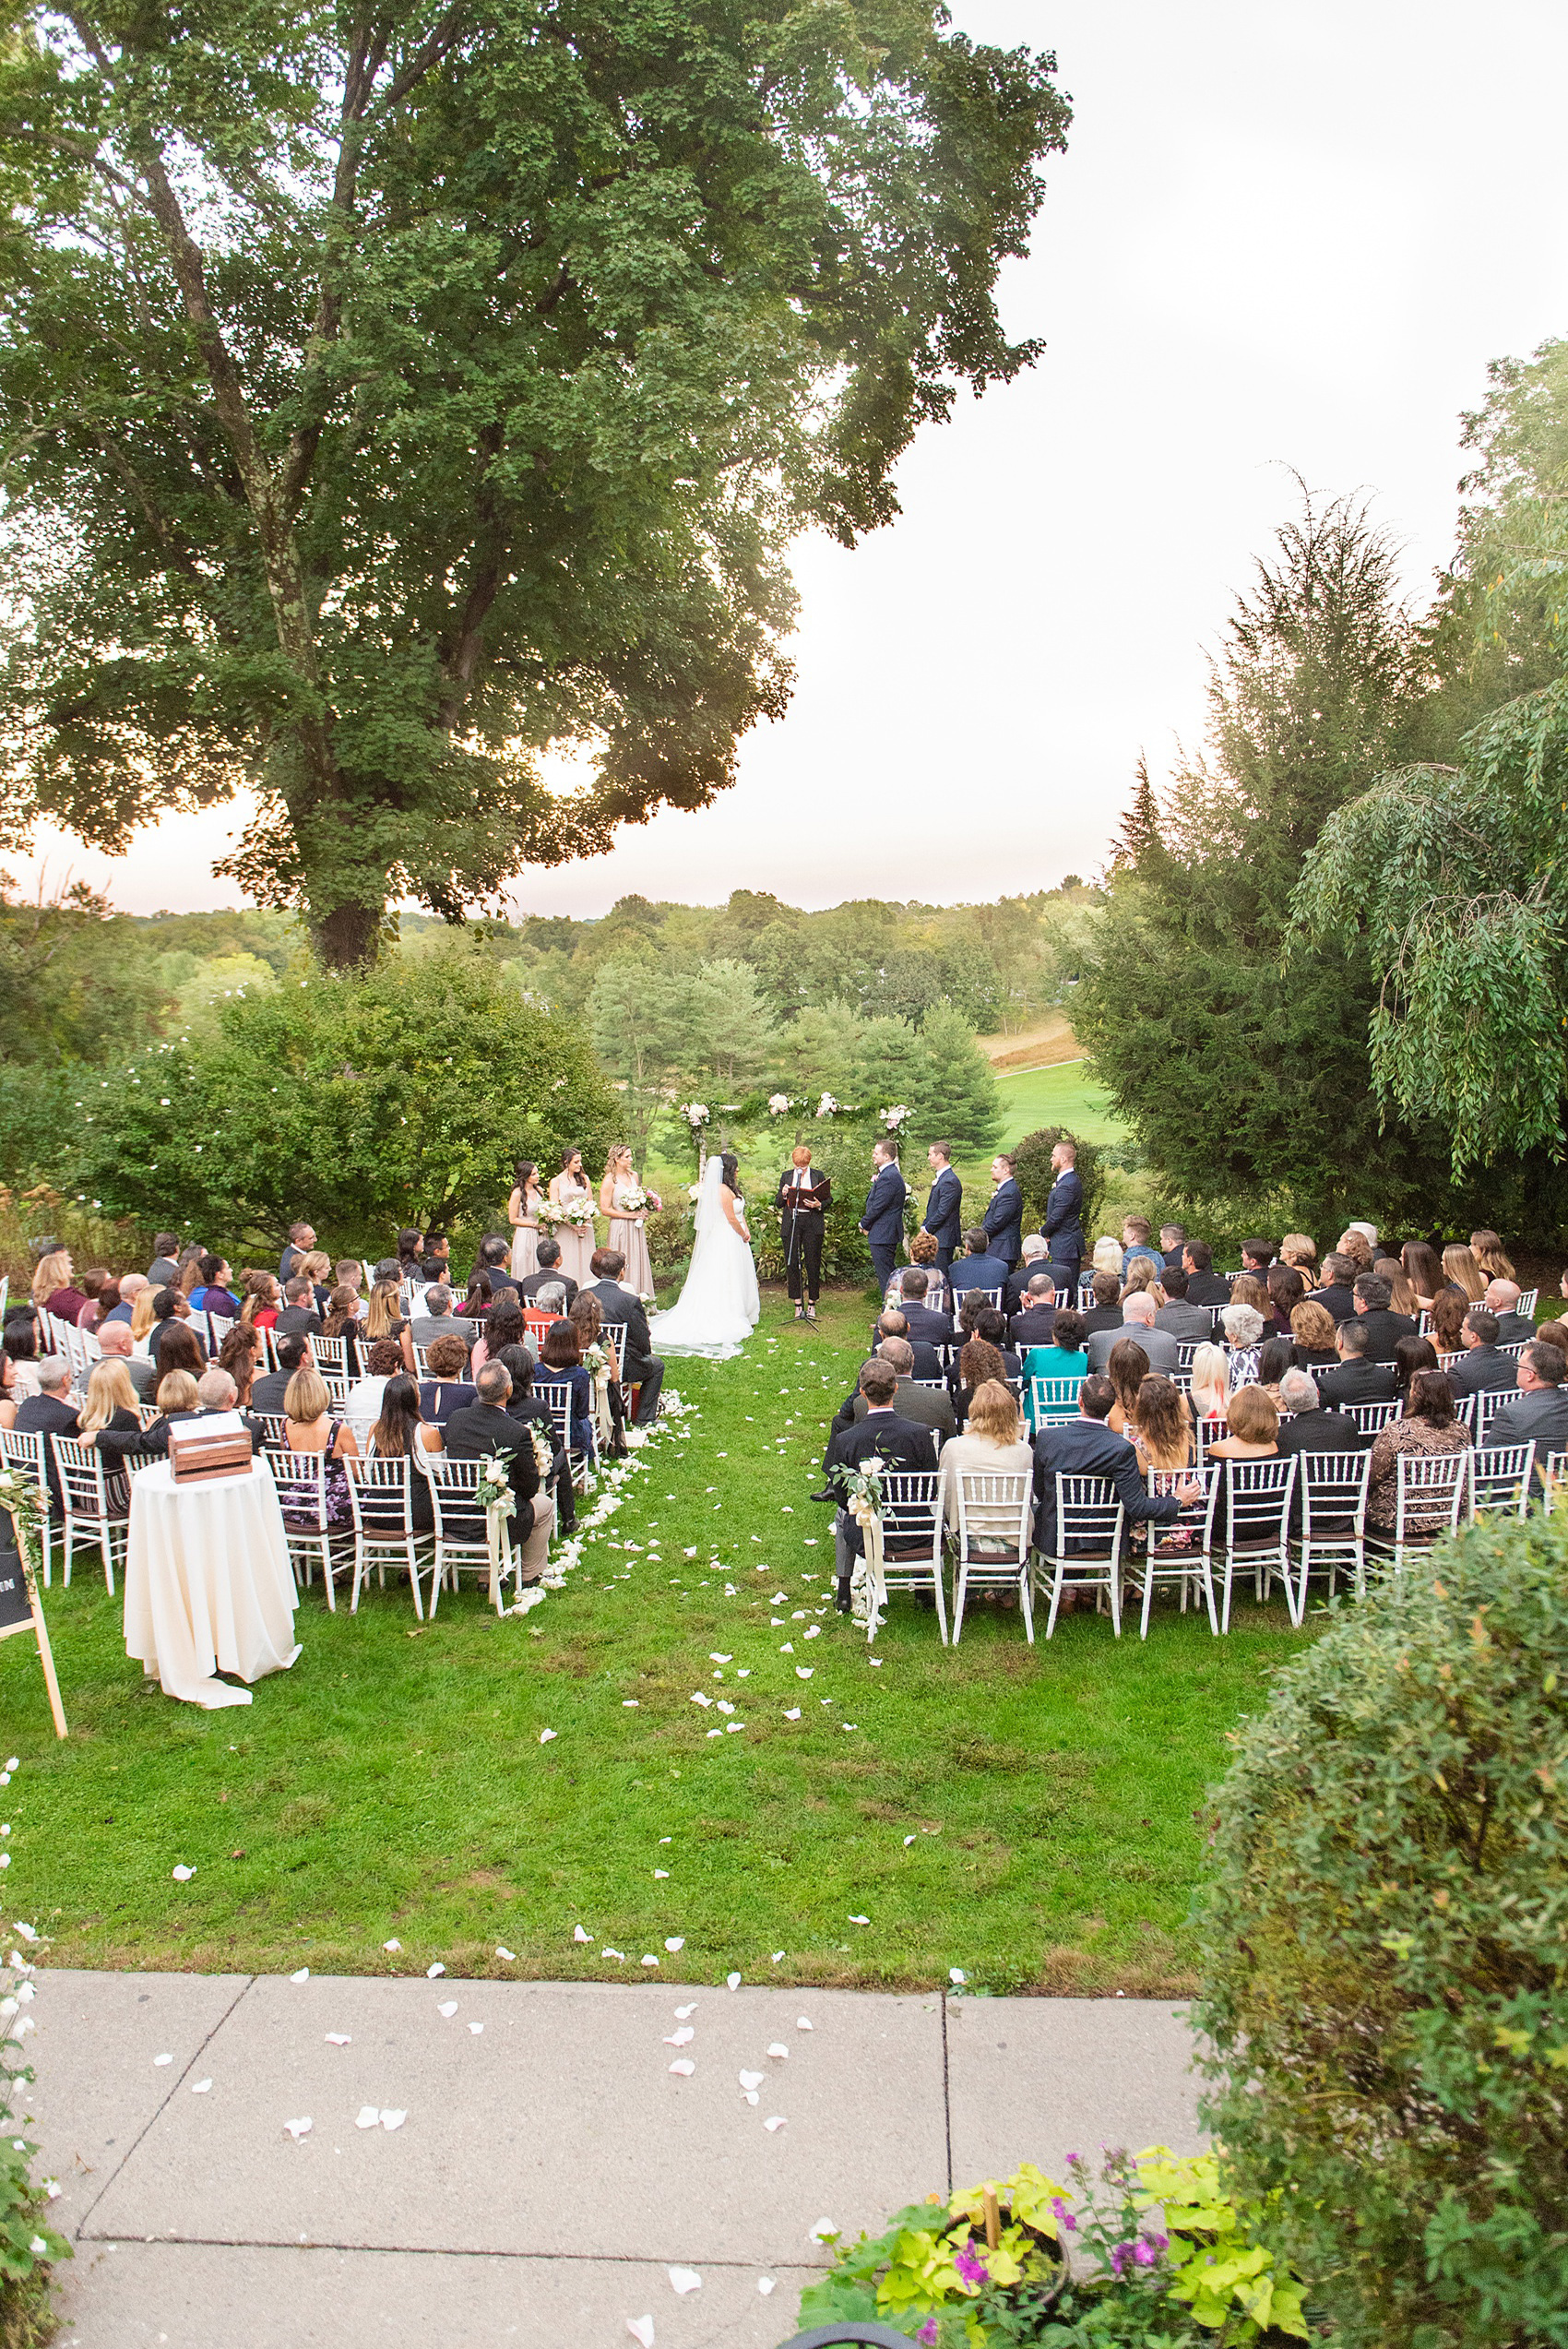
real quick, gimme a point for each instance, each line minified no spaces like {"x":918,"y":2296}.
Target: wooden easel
{"x":23,"y":1610}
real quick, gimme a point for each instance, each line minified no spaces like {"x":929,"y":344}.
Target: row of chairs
{"x":1283,"y":1520}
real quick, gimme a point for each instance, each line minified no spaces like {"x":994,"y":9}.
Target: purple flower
{"x":973,"y":2271}
{"x":1144,"y":2252}
{"x":1064,"y":2215}
{"x":928,"y":2332}
{"x":1120,"y":2258}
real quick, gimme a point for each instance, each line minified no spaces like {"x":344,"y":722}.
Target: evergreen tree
{"x":966,"y":1108}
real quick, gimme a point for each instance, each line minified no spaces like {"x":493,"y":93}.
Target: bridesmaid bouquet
{"x":578,"y":1214}
{"x":632,"y":1199}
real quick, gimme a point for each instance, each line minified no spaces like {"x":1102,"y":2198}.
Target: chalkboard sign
{"x":23,"y":1610}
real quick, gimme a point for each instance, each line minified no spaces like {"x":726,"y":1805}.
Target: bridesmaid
{"x":627,"y":1231}
{"x":522,"y":1213}
{"x":577,"y":1243}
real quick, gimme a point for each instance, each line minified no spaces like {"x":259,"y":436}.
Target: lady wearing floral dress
{"x":576,"y":1240}
{"x":617,"y":1191}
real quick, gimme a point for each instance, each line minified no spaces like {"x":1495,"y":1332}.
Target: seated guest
{"x":476,"y":1303}
{"x":114,"y":1339}
{"x":239,"y":1357}
{"x":1354,"y":1244}
{"x":349,"y":1273}
{"x":144,"y":1311}
{"x":50,"y":1412}
{"x":1461,"y":1271}
{"x":93,"y":1285}
{"x":410,"y":1252}
{"x":1036,"y":1257}
{"x":1172,"y":1240}
{"x":1337,"y":1296}
{"x":382,"y":1363}
{"x":1256,"y":1257}
{"x":267,"y":1392}
{"x":1483,"y":1368}
{"x":316,"y":1267}
{"x":1189,"y":1324}
{"x":1137,"y":1242}
{"x":587,"y":1318}
{"x":503,"y":1326}
{"x":262,"y":1302}
{"x":979,"y":1361}
{"x":301,"y":1239}
{"x":53,"y":1290}
{"x":1514,"y":1328}
{"x":1247,"y":1289}
{"x":923,"y":1406}
{"x":175,"y":1346}
{"x":1087,"y":1447}
{"x":1312,"y":1328}
{"x":177,"y":1400}
{"x":1402,"y":1297}
{"x":1411,"y":1355}
{"x":1358,"y":1380}
{"x":311,"y":1425}
{"x":1142,"y":1273}
{"x":448,"y":1388}
{"x":344,"y":1321}
{"x":297,"y":1317}
{"x":214,"y":1292}
{"x":990,"y":1325}
{"x":1161,"y":1426}
{"x":1255,"y":1427}
{"x":1490,"y":1256}
{"x":928,"y":1361}
{"x":1554,"y":1333}
{"x":1106,"y":1311}
{"x":382,"y":1316}
{"x":216,"y":1391}
{"x":21,"y":1347}
{"x":1286,"y":1290}
{"x":522,"y":1402}
{"x":1210,"y":1389}
{"x":924,"y":1248}
{"x":164,"y":1269}
{"x":495,"y":1258}
{"x":1205,"y":1285}
{"x":1423,"y":1269}
{"x":438,"y":1320}
{"x":1448,"y":1321}
{"x":484,"y":1430}
{"x":110,"y":1406}
{"x":1539,"y":1413}
{"x":977,"y":1268}
{"x":894,"y":1441}
{"x":549,"y":1253}
{"x":1300,"y":1252}
{"x":399,"y":1433}
{"x":130,"y":1285}
{"x":189,"y":1276}
{"x":560,"y":1365}
{"x":1429,"y":1426}
{"x":1065,"y":1357}
{"x":927,"y":1324}
{"x":1243,"y":1325}
{"x":992,"y":1444}
{"x":1107,"y":1257}
{"x":1127,"y":1366}
{"x":1035,"y":1319}
{"x":1160,"y":1350}
{"x":1310,"y":1428}
{"x":1384,"y":1329}
{"x":1275,"y":1356}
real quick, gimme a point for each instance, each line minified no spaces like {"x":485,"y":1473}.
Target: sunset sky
{"x":1279,"y":239}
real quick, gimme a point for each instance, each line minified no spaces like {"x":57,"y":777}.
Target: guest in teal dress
{"x":1065,"y":1357}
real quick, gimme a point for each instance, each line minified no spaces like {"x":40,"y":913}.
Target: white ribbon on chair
{"x":869,"y":1518}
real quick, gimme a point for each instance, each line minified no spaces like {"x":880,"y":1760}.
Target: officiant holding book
{"x":802,"y":1199}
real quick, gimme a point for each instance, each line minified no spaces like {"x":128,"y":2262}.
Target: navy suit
{"x":1089,"y":1448}
{"x":1065,"y":1233}
{"x":1004,"y":1222}
{"x":977,"y":1272}
{"x":944,"y":1217}
{"x":883,"y":1222}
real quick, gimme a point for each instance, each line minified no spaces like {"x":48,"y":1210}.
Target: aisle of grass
{"x":393,"y":1785}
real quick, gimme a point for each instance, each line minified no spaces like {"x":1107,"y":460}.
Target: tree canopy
{"x":389,"y":395}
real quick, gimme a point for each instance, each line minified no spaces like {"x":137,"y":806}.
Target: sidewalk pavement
{"x":551,"y":2168}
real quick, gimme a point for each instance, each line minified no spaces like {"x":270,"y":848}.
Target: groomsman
{"x":943,"y":1218}
{"x":1063,"y":1232}
{"x":1004,"y":1217}
{"x":883,"y":1222}
{"x":803,"y":1199}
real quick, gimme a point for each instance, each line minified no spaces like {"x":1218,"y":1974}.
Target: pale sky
{"x":1278,"y":238}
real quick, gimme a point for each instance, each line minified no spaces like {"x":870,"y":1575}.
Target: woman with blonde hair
{"x":110,"y":1400}
{"x":1461,"y":1272}
{"x":1312,"y":1330}
{"x":619,"y":1188}
{"x":1248,"y":1289}
{"x":1297,"y":1250}
{"x":992,"y":1444}
{"x":382,"y":1318}
{"x":1108,"y":1254}
{"x":1142,"y":1273}
{"x":1491,"y":1255}
{"x":311,"y":1425}
{"x":1211,"y":1387}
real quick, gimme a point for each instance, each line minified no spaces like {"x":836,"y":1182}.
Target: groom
{"x":802,"y":1199}
{"x":883,"y":1222}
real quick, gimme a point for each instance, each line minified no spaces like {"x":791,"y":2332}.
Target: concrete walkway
{"x":551,"y":2168}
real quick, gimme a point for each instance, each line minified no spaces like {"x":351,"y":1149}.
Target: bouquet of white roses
{"x":577,"y":1213}
{"x":894,"y":1119}
{"x":631,"y":1200}
{"x":778,"y":1104}
{"x":697,"y":1114}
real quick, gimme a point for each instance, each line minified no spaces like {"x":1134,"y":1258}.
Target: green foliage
{"x":388,"y":397}
{"x":362,"y":1102}
{"x":1386,"y":1961}
{"x":962,"y":1104}
{"x":27,"y":2243}
{"x":73,"y":980}
{"x":845,"y":1157}
{"x":1034,"y":1176}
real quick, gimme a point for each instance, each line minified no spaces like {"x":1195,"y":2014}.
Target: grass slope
{"x":1062,"y":1096}
{"x":393,"y":1785}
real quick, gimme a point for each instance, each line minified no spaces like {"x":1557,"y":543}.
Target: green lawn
{"x":1061,"y":1096}
{"x":1033,"y":1817}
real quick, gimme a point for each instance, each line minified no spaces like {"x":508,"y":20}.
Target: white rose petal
{"x":448,"y":2007}
{"x":578,"y":1935}
{"x":162,"y":2059}
{"x":733,"y":1980}
{"x":641,"y":2330}
{"x":510,"y":1955}
{"x":392,"y":1945}
{"x":369,"y":2117}
{"x":298,"y":2128}
{"x":684,"y":2279}
{"x":674,"y":1941}
{"x":546,"y":1734}
{"x":201,"y":2087}
{"x":391,"y":2120}
{"x":338,"y":2039}
{"x":683,"y":2066}
{"x":433,"y":1972}
{"x":184,"y":1876}
{"x":776,"y":2122}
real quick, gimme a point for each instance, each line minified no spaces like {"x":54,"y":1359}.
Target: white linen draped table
{"x":209,"y":1586}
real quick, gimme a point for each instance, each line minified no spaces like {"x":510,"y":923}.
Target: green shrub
{"x":1035,"y":1176}
{"x":1386,"y":1953}
{"x":27,"y":2244}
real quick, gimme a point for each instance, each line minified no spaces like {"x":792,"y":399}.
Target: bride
{"x":718,"y":1306}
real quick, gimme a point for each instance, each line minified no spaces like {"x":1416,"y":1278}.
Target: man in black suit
{"x":883,"y":1222}
{"x":1036,"y":1324}
{"x":1004,"y":1218}
{"x":1539,"y":1413}
{"x":1310,"y":1428}
{"x":299,"y":1317}
{"x":943,"y":1218}
{"x":1086,"y":1447}
{"x":50,"y":1413}
{"x":976,"y":1269}
{"x":1337,"y":1296}
{"x":1256,"y":1257}
{"x":1172,"y":1241}
{"x":267,"y":1393}
{"x":803,"y":1199}
{"x":1063,"y":1227}
{"x":1205,"y":1285}
{"x":484,"y":1429}
{"x":549,"y":1255}
{"x":898,"y":1442}
{"x":1357,"y":1380}
{"x":1189,"y":1324}
{"x":927,"y":1327}
{"x":926,"y":1406}
{"x":640,"y":1366}
{"x":1037,"y":1258}
{"x":495,"y":1258}
{"x":1483,"y":1368}
{"x":1514,"y":1328}
{"x":893,"y":1324}
{"x":1371,"y":1297}
{"x":1106,"y":1311}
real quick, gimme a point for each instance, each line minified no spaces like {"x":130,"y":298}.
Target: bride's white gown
{"x":718,"y":1303}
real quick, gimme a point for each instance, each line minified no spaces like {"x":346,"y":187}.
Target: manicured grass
{"x":1062,"y":1096}
{"x":393,"y":1785}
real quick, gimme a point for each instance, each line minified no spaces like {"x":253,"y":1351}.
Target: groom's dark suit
{"x":944,"y":1216}
{"x":883,"y":1222}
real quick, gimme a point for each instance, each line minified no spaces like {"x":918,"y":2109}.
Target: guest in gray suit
{"x":1138,"y":1323}
{"x":1189,"y":1324}
{"x":1540,"y":1415}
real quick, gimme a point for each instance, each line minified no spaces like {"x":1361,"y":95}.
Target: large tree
{"x":389,"y":392}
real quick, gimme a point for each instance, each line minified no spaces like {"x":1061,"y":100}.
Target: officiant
{"x":802,"y":1199}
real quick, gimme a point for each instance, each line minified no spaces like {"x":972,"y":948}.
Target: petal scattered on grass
{"x":546,"y":1734}
{"x":432,"y":1973}
{"x":674,"y":1941}
{"x":182,"y":1875}
{"x":392,"y":1946}
{"x":510,"y":1955}
{"x":733,"y":1981}
{"x":578,"y":1935}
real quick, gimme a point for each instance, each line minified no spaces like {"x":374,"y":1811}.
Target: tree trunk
{"x":347,"y":938}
